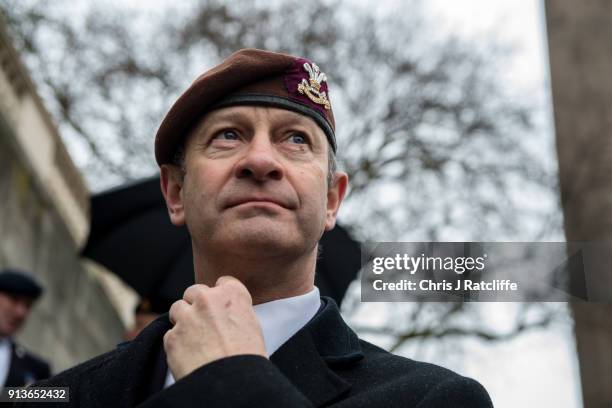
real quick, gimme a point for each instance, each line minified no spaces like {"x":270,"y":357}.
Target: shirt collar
{"x":281,"y":319}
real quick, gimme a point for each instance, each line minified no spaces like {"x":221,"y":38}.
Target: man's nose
{"x":260,"y":161}
{"x":21,"y":311}
{"x":23,"y":308}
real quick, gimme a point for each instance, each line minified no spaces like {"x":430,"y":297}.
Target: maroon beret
{"x":249,"y":77}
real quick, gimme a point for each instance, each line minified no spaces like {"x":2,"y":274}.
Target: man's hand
{"x":212,"y":323}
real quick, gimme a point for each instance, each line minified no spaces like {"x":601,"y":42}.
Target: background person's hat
{"x":19,"y":283}
{"x":249,"y":77}
{"x":153,"y":304}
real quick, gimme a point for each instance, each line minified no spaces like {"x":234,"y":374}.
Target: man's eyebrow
{"x":218,"y":116}
{"x":283,"y":118}
{"x":232,"y":116}
{"x":296,"y":118}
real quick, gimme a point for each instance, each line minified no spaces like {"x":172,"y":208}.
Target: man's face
{"x":14,"y":311}
{"x":255,"y":183}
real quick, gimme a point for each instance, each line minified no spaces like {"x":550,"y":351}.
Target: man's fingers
{"x":225,"y":280}
{"x":229,"y":284}
{"x":176,"y":310}
{"x":194,"y":291}
{"x":226,"y":287}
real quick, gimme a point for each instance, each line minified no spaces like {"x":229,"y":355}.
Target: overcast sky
{"x":539,"y":369}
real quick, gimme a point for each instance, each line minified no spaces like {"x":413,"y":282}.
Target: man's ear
{"x":335,"y":195}
{"x":171,"y":181}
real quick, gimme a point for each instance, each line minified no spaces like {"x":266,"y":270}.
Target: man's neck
{"x":266,"y":278}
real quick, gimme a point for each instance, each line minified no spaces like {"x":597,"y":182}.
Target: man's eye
{"x":298,"y":138}
{"x":227,"y":135}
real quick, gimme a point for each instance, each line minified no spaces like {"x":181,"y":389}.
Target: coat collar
{"x":125,"y":379}
{"x":307,"y":359}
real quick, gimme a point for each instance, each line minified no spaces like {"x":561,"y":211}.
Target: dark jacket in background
{"x":25,"y":368}
{"x":324,"y":364}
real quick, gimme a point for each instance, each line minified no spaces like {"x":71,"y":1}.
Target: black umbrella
{"x":132,"y":236}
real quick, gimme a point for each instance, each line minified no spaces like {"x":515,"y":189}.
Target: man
{"x":247,"y":157}
{"x":18,"y":292}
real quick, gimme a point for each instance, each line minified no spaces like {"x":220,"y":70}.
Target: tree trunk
{"x":580,"y":48}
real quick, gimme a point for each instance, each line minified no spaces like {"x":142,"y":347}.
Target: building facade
{"x":44,"y":222}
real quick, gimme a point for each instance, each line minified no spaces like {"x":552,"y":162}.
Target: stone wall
{"x":43,"y":222}
{"x":579,"y":44}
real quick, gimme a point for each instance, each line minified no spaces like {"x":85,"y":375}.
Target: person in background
{"x":18,"y":292}
{"x":147,"y":310}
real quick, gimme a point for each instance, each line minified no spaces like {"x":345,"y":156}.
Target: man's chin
{"x":256,"y":236}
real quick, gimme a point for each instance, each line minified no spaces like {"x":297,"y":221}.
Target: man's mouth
{"x":256,"y":200}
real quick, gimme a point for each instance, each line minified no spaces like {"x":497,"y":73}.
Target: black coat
{"x":324,"y":364}
{"x":25,"y":368}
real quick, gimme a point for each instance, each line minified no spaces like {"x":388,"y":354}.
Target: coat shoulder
{"x":415,"y":383}
{"x":379,"y":359}
{"x":121,"y":373}
{"x":77,"y":374}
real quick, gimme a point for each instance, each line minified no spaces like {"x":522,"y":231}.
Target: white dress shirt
{"x":280,"y":320}
{"x":5,"y":359}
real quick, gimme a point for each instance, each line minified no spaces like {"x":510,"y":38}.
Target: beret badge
{"x":312,"y":88}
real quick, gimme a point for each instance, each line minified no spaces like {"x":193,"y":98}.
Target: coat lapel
{"x":15,"y":376}
{"x":126,"y":379}
{"x":308,"y":358}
